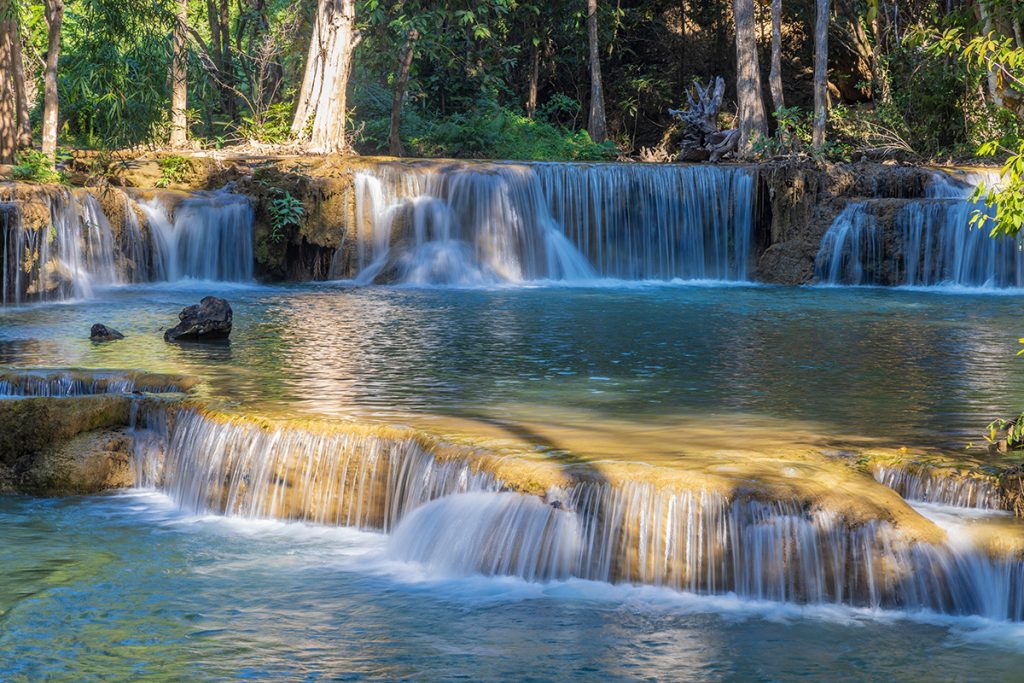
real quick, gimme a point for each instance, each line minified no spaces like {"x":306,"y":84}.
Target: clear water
{"x":137,"y":591}
{"x":916,"y":368}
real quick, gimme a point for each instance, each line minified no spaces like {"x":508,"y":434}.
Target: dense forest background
{"x":514,"y":78}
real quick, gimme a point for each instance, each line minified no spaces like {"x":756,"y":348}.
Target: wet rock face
{"x":65,"y":445}
{"x":102,"y":333}
{"x":207,"y":320}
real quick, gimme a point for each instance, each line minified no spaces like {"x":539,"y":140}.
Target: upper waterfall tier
{"x":921,"y":242}
{"x":59,"y":243}
{"x":478,"y":223}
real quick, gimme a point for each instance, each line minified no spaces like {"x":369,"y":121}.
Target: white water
{"x":209,"y":238}
{"x":933,"y":245}
{"x":472,"y":224}
{"x":450,"y":516}
{"x":965,"y":492}
{"x":850,"y":248}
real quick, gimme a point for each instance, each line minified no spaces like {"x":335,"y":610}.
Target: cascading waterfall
{"x":481,"y":223}
{"x":941,"y":247}
{"x":702,"y":542}
{"x":12,"y":240}
{"x":22,"y":383}
{"x":450,"y":513}
{"x":850,"y":251}
{"x":208,"y":236}
{"x":933,"y":242}
{"x":345,"y":479}
{"x":957,"y":491}
{"x":650,"y":222}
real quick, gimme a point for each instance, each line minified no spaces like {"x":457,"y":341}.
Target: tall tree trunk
{"x":395,"y":134}
{"x":179,"y":78}
{"x":8,"y":91}
{"x":54,"y":18}
{"x":531,"y":90}
{"x":820,"y":73}
{"x":226,"y":64}
{"x":775,"y":73}
{"x":749,"y":99}
{"x":596,"y":125}
{"x":328,"y":65}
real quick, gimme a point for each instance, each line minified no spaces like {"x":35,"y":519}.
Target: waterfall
{"x":65,"y":260}
{"x":208,"y":236}
{"x":702,"y":542}
{"x":236,"y":467}
{"x":42,"y":383}
{"x":932,"y":242}
{"x":850,"y":252}
{"x":941,"y":248}
{"x":450,"y":508}
{"x":12,"y":237}
{"x":78,"y":249}
{"x":957,"y":491}
{"x":492,"y":222}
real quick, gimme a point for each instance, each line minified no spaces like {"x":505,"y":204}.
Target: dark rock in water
{"x":209,"y":319}
{"x":102,"y":333}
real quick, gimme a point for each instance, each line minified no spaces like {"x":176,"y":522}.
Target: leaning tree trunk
{"x":395,"y":134}
{"x":820,"y":73}
{"x":596,"y":126}
{"x":328,"y":65}
{"x":8,"y":89}
{"x":775,"y":74}
{"x":54,"y":19}
{"x":179,"y":78}
{"x":749,"y":99}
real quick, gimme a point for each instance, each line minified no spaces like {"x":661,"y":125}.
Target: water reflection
{"x":913,"y":368}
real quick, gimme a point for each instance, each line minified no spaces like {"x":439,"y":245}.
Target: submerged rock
{"x":102,"y":333}
{"x":209,"y":319}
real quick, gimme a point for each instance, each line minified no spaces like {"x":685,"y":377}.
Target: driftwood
{"x":702,"y":139}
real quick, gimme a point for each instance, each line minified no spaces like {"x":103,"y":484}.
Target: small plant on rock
{"x":286,"y":211}
{"x":173,"y":170}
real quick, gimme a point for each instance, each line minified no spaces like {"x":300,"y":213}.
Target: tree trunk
{"x":8,"y":93}
{"x":531,"y":90}
{"x":395,"y":134}
{"x":226,"y":64}
{"x":820,"y":73}
{"x":54,"y":18}
{"x":749,"y":99}
{"x":328,"y":65}
{"x":179,"y":78}
{"x":775,"y":74}
{"x":596,"y":126}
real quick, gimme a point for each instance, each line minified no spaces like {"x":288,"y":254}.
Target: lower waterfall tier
{"x":461,"y":509}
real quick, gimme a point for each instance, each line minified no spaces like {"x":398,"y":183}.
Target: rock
{"x":102,"y":333}
{"x":209,"y":319}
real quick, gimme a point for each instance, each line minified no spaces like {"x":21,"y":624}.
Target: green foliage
{"x":286,"y":211}
{"x":35,"y":167}
{"x":273,"y":126}
{"x":1012,"y":430}
{"x":174,"y":170}
{"x":487,"y":132}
